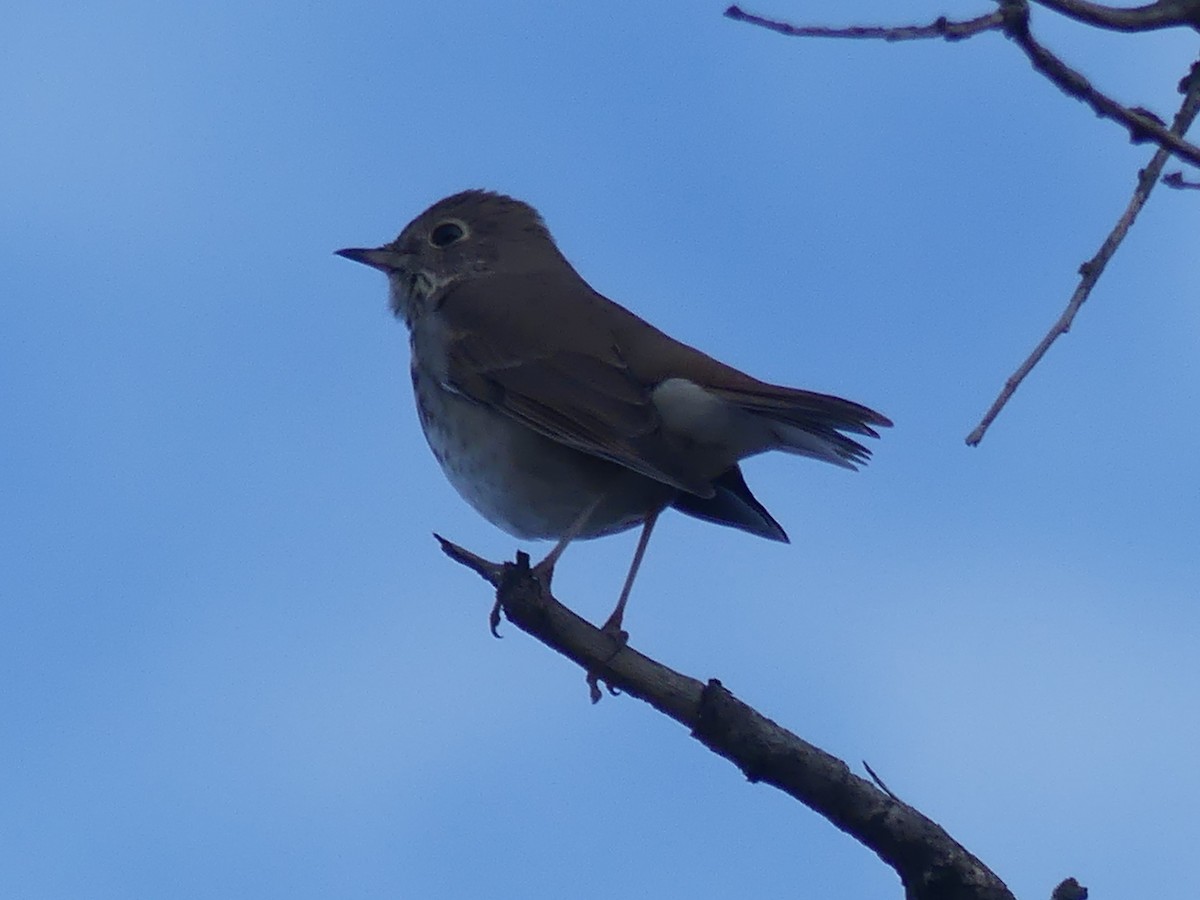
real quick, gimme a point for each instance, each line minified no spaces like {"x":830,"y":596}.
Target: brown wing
{"x":804,"y":422}
{"x":544,"y":353}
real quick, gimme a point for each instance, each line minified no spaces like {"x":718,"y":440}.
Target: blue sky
{"x":234,"y":661}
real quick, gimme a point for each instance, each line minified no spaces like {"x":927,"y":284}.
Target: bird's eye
{"x":446,"y":233}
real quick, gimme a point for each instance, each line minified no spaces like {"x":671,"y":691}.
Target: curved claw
{"x":494,"y":620}
{"x":620,"y":638}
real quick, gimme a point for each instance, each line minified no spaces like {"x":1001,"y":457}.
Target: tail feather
{"x":811,"y":424}
{"x":821,"y":443}
{"x":732,"y":505}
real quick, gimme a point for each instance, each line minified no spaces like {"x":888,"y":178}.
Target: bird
{"x":559,"y":414}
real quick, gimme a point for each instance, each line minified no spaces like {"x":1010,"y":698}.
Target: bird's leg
{"x":545,"y":569}
{"x":613,"y":624}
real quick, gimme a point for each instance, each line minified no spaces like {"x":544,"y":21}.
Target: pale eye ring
{"x":448,"y":232}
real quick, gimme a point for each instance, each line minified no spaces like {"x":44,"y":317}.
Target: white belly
{"x":522,"y":482}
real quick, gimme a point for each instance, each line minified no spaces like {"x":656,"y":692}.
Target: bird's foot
{"x":620,"y":638}
{"x":544,"y":572}
{"x":612,"y":627}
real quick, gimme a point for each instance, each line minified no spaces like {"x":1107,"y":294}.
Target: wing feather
{"x":566,"y":381}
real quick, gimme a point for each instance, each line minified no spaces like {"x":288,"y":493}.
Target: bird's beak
{"x":382,"y":258}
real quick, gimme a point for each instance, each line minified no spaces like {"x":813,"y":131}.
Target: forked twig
{"x":1090,"y":271}
{"x":1012,"y":17}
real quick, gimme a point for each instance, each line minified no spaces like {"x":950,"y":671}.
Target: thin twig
{"x":1012,"y":18}
{"x":1142,"y":125}
{"x":1163,"y":14}
{"x":939,"y":28}
{"x":879,"y":782}
{"x":1091,"y":270}
{"x":486,"y":569}
{"x":1177,"y":181}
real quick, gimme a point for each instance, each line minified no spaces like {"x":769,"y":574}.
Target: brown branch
{"x":1163,"y":14}
{"x":1091,"y":270}
{"x":939,"y":28}
{"x":930,"y":863}
{"x":1177,"y":181}
{"x":1013,"y":19}
{"x":1142,"y":125}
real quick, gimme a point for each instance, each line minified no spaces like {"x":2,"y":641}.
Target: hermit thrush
{"x":557,"y":413}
